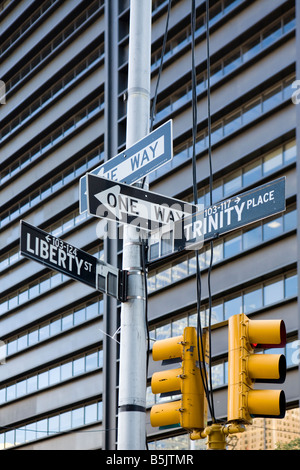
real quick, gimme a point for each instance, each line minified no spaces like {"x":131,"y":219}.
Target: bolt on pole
{"x":133,"y":340}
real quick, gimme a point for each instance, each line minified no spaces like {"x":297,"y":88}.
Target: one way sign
{"x":131,"y":205}
{"x":141,"y":159}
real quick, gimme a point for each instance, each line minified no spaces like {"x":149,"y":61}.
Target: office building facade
{"x":64,"y":69}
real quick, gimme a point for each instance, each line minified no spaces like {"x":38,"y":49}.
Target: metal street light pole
{"x":133,"y":344}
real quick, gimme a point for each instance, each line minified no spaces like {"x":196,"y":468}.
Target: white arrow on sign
{"x":121,"y":205}
{"x":132,"y":205}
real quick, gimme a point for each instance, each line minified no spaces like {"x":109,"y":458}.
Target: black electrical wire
{"x":144,"y":244}
{"x":210,"y":193}
{"x":201,"y":352}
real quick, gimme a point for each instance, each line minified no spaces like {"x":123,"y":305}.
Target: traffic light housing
{"x":245,"y":368}
{"x":190,"y":412}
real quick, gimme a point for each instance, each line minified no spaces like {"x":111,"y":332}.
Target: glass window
{"x":45,"y":285}
{"x":272,"y":229}
{"x":65,"y":421}
{"x":67,"y":321}
{"x":53,"y":425}
{"x":30,"y":432}
{"x":100,"y":358}
{"x":163,"y":332}
{"x":232,"y":62}
{"x":272,"y":99}
{"x":9,"y":438}
{"x":218,"y":251}
{"x":272,"y":161}
{"x":252,"y":237}
{"x":78,"y":417}
{"x":33,"y":337}
{"x":232,"y":183}
{"x":55,"y":327}
{"x":11,"y":392}
{"x":92,"y":310}
{"x":251,"y":111}
{"x":21,"y":388}
{"x":79,"y":316}
{"x":216,"y":133}
{"x":273,"y":292}
{"x":192,"y":320}
{"x":90,"y":414}
{"x":290,"y":152}
{"x":11,"y":347}
{"x":78,"y":366}
{"x":232,"y":123}
{"x":167,"y":243}
{"x":232,"y":307}
{"x":217,"y":193}
{"x":216,"y":73}
{"x":291,"y":286}
{"x":43,"y":379}
{"x":252,"y":172}
{"x":251,"y":49}
{"x":23,"y":296}
{"x":271,"y":35}
{"x":290,"y":220}
{"x":32,"y":384}
{"x":289,"y":22}
{"x":179,"y":271}
{"x":44,"y":332}
{"x":192,"y":265}
{"x":253,"y":300}
{"x":54,"y":375}
{"x":217,"y":313}
{"x":91,"y":361}
{"x":20,"y":436}
{"x":178,"y":326}
{"x":163,"y":278}
{"x":66,"y":371}
{"x":232,"y":245}
{"x":218,"y":375}
{"x":41,"y":428}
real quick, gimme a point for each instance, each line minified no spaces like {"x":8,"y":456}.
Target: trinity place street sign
{"x":220,"y":218}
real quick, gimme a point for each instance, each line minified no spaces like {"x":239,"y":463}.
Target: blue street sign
{"x":220,"y":218}
{"x":136,"y":162}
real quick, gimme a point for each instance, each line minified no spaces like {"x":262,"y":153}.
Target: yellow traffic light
{"x":246,"y":368}
{"x":191,"y":410}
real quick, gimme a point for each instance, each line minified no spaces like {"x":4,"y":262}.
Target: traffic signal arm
{"x":190,"y":412}
{"x":245,"y":368}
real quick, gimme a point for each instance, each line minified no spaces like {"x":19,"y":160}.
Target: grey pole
{"x":133,"y":342}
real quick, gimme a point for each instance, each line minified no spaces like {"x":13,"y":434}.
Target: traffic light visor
{"x":267,"y":333}
{"x":266,"y":403}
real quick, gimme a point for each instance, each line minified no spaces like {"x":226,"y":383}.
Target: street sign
{"x":218,"y":219}
{"x":61,"y":256}
{"x":131,"y":205}
{"x":145,"y":156}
